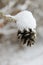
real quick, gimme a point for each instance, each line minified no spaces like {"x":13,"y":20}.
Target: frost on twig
{"x":3,"y":27}
{"x":7,"y":18}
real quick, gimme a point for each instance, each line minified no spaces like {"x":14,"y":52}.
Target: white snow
{"x":25,"y":20}
{"x":14,"y":54}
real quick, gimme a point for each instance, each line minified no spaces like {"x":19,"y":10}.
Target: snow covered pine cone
{"x":26,"y":25}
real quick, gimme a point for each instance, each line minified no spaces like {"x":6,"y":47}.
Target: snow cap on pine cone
{"x":26,"y":25}
{"x":25,"y":20}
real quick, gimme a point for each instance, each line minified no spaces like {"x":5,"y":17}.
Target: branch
{"x":8,"y":18}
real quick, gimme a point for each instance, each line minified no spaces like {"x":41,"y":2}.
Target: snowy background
{"x":11,"y":52}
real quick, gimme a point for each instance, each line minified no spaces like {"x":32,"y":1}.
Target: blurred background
{"x":13,"y":7}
